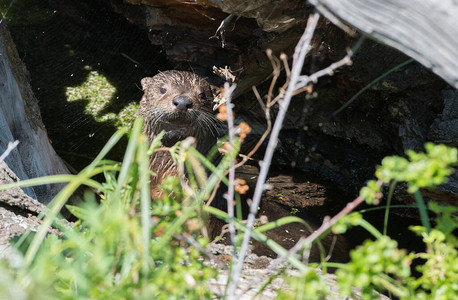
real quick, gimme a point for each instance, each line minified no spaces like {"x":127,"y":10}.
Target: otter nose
{"x":182,"y":103}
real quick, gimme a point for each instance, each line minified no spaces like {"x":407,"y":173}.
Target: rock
{"x":16,"y":197}
{"x":424,"y":33}
{"x":18,"y":213}
{"x":401,"y":111}
{"x":253,"y":277}
{"x":445,"y":127}
{"x":12,"y":225}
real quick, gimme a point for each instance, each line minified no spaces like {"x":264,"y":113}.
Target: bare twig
{"x":276,"y":73}
{"x":304,"y":80}
{"x":11,"y":146}
{"x":301,"y":50}
{"x":220,"y":30}
{"x":276,"y":66}
{"x":281,"y":94}
{"x":213,"y":194}
{"x":228,"y":90}
{"x":258,"y":97}
{"x":295,"y":83}
{"x":328,"y":223}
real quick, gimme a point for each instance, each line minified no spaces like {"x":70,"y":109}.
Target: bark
{"x":424,"y":30}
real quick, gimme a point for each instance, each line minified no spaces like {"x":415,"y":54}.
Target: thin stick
{"x":11,"y":146}
{"x":228,"y":90}
{"x":276,"y":73}
{"x":298,"y":60}
{"x":296,"y":82}
{"x":328,"y":223}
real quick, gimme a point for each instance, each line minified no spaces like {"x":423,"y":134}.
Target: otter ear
{"x":146,"y":82}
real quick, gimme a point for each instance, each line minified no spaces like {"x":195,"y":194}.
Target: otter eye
{"x":202,"y":96}
{"x":163,"y":90}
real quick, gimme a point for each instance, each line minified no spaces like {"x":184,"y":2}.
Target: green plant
{"x":439,"y":273}
{"x":421,"y":170}
{"x":309,"y":285}
{"x":390,"y":266}
{"x":379,"y":265}
{"x":375,"y":264}
{"x":124,"y":247}
{"x":129,"y":246}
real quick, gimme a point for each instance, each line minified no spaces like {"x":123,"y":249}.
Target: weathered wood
{"x":16,"y":197}
{"x":20,"y":120}
{"x":426,"y":30}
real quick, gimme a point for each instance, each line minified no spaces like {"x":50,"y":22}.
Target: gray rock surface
{"x":257,"y":271}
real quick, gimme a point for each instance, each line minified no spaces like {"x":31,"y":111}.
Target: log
{"x":20,"y":120}
{"x":426,"y":30}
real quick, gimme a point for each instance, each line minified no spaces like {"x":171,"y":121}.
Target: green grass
{"x":117,"y":250}
{"x":124,"y":245}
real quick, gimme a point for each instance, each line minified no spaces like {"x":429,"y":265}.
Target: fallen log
{"x":426,"y":30}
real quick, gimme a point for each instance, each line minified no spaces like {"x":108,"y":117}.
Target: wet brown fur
{"x":160,"y":114}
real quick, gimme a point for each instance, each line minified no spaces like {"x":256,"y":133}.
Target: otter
{"x":180,"y":104}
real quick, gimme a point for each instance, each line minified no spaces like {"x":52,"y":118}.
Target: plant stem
{"x":370,"y":228}
{"x":145,"y":200}
{"x":62,"y":197}
{"x":423,"y":211}
{"x":228,"y":90}
{"x":388,"y":205}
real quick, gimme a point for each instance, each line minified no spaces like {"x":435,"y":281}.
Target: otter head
{"x":179,"y":103}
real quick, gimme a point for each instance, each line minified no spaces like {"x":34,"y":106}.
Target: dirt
{"x":305,"y":197}
{"x":312,"y":199}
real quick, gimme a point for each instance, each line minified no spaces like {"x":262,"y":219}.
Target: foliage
{"x":308,"y":286}
{"x":439,"y":273}
{"x":376,"y":263}
{"x":423,"y":170}
{"x":123,"y":247}
{"x":129,"y":246}
{"x":379,"y":265}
